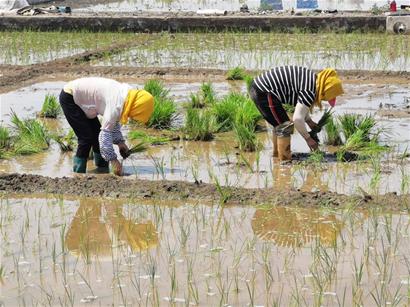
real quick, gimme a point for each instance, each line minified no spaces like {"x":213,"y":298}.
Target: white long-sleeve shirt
{"x":105,"y":97}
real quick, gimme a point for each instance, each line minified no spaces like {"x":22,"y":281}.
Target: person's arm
{"x":118,"y":139}
{"x":299,"y":119}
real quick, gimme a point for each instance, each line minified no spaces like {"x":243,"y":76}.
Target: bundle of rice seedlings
{"x":332,"y":136}
{"x":199,"y":124}
{"x":148,"y":139}
{"x":237,"y":73}
{"x":51,"y":108}
{"x":351,"y":123}
{"x":163,"y":115}
{"x":140,"y":147}
{"x":348,"y":124}
{"x":235,"y":107}
{"x":156,"y":88}
{"x":5,"y":138}
{"x":248,"y":81}
{"x":31,"y":135}
{"x":246,"y":137}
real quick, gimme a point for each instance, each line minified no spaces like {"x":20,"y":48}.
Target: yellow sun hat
{"x":138,"y":105}
{"x":328,"y":87}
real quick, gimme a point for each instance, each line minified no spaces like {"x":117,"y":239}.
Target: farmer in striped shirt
{"x":82,"y":100}
{"x":299,"y":87}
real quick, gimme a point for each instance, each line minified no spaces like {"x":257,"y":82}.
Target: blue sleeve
{"x":106,"y":145}
{"x":117,"y":135}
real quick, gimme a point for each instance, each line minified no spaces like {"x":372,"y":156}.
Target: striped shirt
{"x":289,"y":84}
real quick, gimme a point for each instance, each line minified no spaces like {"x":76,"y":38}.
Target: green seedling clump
{"x":248,"y":81}
{"x":237,"y":73}
{"x":204,"y":98}
{"x":51,"y":108}
{"x":4,"y":138}
{"x":31,"y":136}
{"x":245,"y":136}
{"x":142,"y":136}
{"x":199,"y":125}
{"x":332,"y":131}
{"x":140,"y":147}
{"x":164,"y":107}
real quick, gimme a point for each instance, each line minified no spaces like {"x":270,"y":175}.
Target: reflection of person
{"x":93,"y":233}
{"x":299,"y":87}
{"x":295,"y":227}
{"x":82,"y":100}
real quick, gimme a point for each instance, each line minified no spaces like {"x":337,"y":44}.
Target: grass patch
{"x":51,"y":108}
{"x":199,"y":124}
{"x":237,"y":73}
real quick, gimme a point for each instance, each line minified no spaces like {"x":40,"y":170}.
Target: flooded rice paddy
{"x":133,"y":253}
{"x":220,"y":161}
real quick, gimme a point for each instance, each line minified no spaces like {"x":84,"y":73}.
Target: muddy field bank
{"x":115,"y":187}
{"x":193,"y":23}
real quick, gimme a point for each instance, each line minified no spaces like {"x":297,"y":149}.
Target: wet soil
{"x":116,"y":187}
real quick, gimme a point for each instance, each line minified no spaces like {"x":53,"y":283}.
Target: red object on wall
{"x":393,"y":6}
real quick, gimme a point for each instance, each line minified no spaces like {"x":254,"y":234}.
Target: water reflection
{"x":296,"y":227}
{"x":100,"y":226}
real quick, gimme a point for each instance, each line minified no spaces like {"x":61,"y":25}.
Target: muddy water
{"x":221,"y":162}
{"x":71,"y":252}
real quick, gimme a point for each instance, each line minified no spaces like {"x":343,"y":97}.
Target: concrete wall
{"x":342,"y":5}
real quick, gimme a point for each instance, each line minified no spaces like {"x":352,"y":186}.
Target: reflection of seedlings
{"x":237,"y":73}
{"x":199,"y":125}
{"x":51,"y":108}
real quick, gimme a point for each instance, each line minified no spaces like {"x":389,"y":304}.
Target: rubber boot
{"x":79,"y":165}
{"x":100,"y":162}
{"x":275,"y":145}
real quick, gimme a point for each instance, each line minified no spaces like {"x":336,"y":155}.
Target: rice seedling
{"x":140,"y":147}
{"x":51,"y":108}
{"x":357,"y":142}
{"x":248,"y":81}
{"x":163,"y":115}
{"x":237,"y":73}
{"x":332,"y":133}
{"x":5,"y":138}
{"x":246,"y":137}
{"x":289,"y":108}
{"x":32,"y":136}
{"x":207,"y":93}
{"x":235,"y":107}
{"x":149,"y":139}
{"x":199,"y":125}
{"x":156,"y":88}
{"x":66,"y":142}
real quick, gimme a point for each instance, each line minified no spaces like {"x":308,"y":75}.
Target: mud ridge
{"x":116,"y":187}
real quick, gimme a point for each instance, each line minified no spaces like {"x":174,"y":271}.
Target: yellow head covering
{"x":138,"y":105}
{"x":328,"y":86}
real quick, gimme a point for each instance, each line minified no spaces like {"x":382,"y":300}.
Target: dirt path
{"x":115,"y":187}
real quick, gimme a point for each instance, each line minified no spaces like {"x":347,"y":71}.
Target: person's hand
{"x":124,"y":150}
{"x":116,"y":167}
{"x":313,"y":145}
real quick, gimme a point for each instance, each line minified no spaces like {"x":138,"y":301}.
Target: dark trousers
{"x":273,"y":112}
{"x":86,"y":130}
